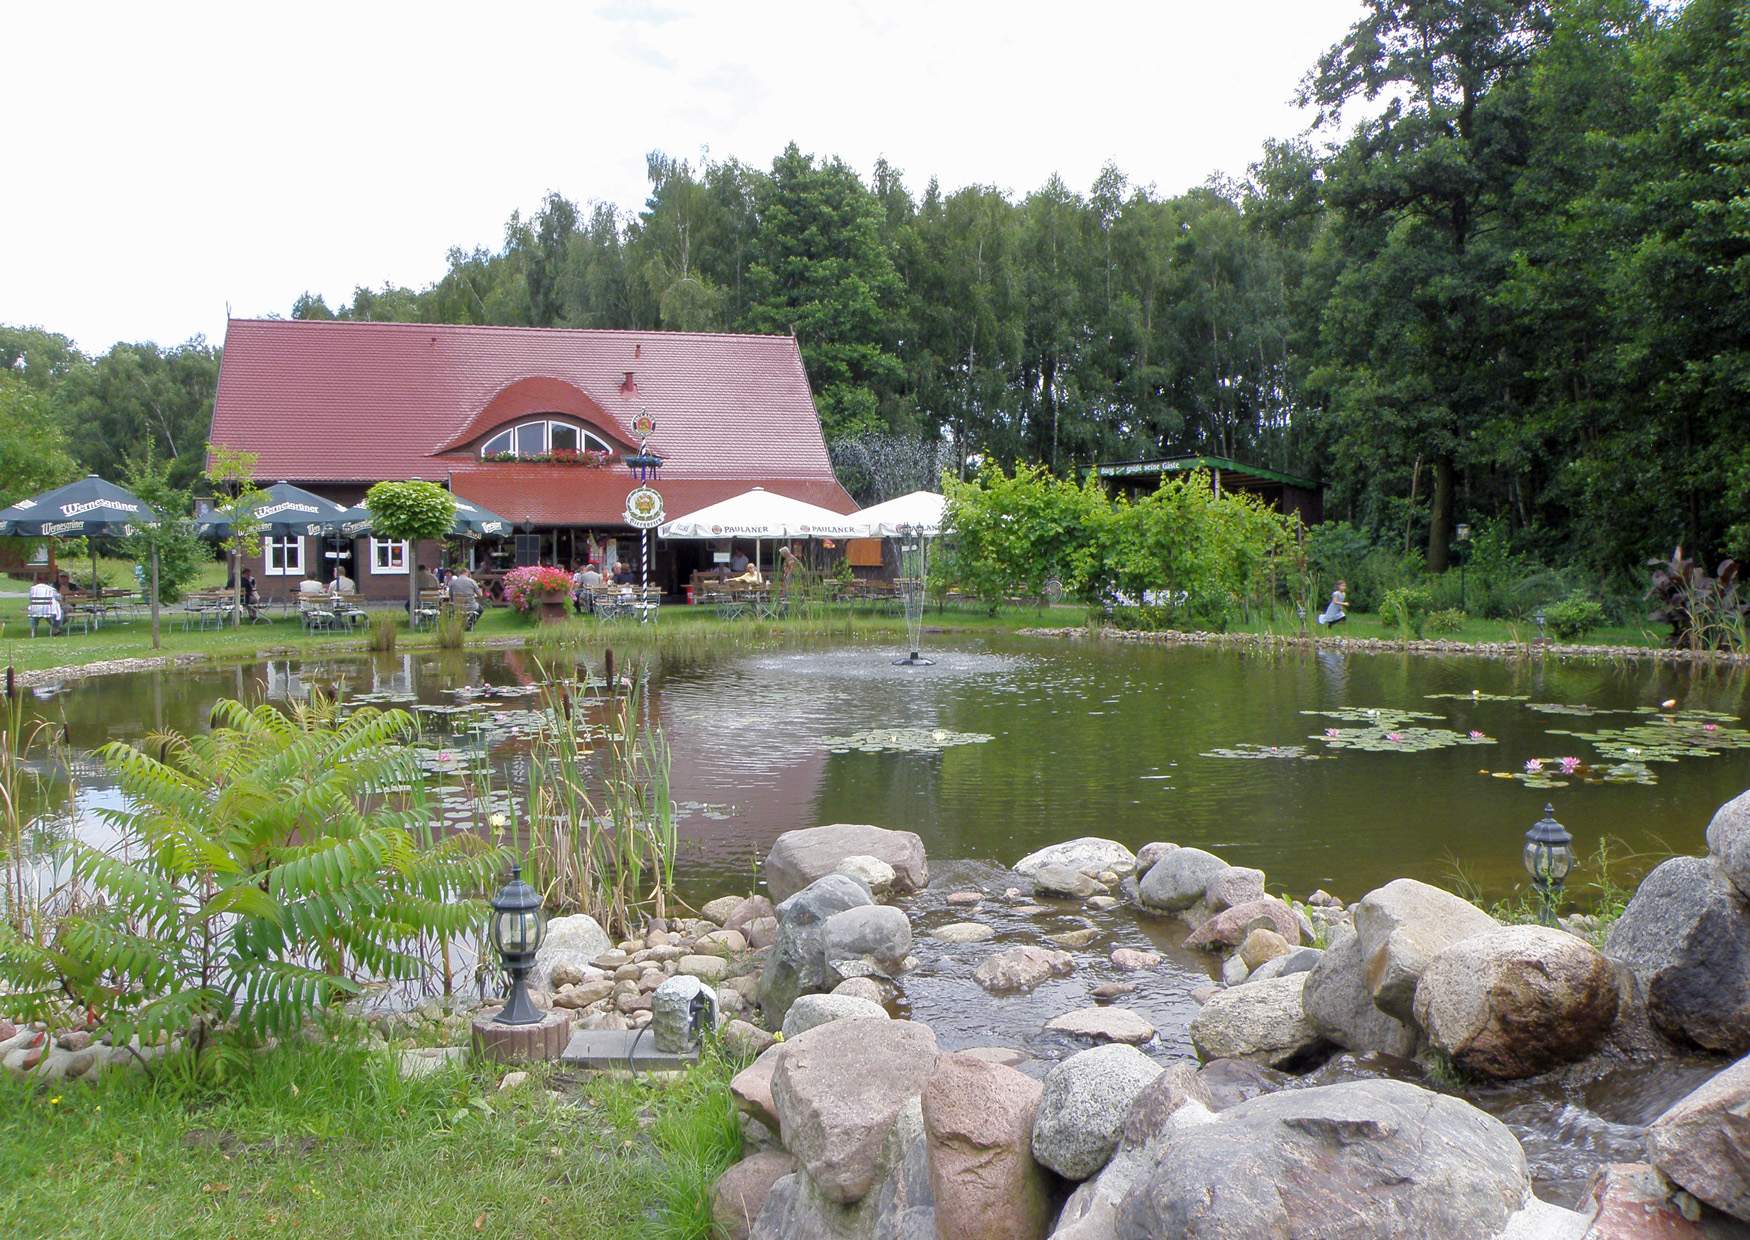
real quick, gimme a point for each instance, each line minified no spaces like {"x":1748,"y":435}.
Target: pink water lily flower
{"x":1710,"y":727}
{"x":1476,"y":735}
{"x":1332,"y":733}
{"x":1394,"y":736}
{"x":1533,"y":765}
{"x":1570,"y":765}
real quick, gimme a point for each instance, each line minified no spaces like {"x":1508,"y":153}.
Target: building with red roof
{"x":494,"y":413}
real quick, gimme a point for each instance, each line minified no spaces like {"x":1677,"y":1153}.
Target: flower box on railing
{"x":586,"y":459}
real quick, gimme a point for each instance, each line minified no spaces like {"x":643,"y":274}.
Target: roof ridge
{"x":511,"y":328}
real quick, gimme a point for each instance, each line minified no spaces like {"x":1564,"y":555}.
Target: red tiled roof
{"x":569,"y":495}
{"x":326,"y":402}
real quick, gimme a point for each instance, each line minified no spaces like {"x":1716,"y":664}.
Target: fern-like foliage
{"x":264,"y":870}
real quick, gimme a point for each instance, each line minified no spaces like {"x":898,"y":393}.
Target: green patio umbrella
{"x":285,"y":511}
{"x":472,"y":521}
{"x":84,"y":508}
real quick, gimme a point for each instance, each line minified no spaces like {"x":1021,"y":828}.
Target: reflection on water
{"x":1084,"y":739}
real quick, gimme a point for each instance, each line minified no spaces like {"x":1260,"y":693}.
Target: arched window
{"x":540,"y":436}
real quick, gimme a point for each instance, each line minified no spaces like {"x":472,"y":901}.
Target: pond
{"x":1324,"y":769}
{"x":1006,"y":745}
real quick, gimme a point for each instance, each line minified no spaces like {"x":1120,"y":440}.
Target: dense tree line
{"x":1504,"y":280}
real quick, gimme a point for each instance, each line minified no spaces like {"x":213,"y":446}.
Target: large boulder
{"x":752,"y":1088}
{"x":813,"y":1011}
{"x":877,"y":932}
{"x":838,"y":1089}
{"x":1060,"y":880}
{"x":1517,"y":1001}
{"x":897,"y":1208}
{"x":1337,"y":1003}
{"x":741,"y":1191}
{"x":1404,"y":925}
{"x":798,"y":858}
{"x":984,"y":1180}
{"x":1364,"y":1159}
{"x":1703,"y":1141}
{"x":1728,"y":841}
{"x":1230,"y":927}
{"x":1235,"y":885}
{"x":797,"y":962}
{"x":872,"y":872}
{"x":1264,"y":1022}
{"x":1017,"y":970}
{"x":1686,"y":935}
{"x":1173,"y":1100}
{"x":1082,"y":1109}
{"x":1088,"y":855}
{"x":1632,"y":1201}
{"x":1177,"y":879}
{"x":571,"y":942}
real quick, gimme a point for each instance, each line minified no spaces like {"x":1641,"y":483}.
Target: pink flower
{"x":1394,"y":736}
{"x":1570,"y":765}
{"x":1533,"y":765}
{"x":1710,"y":727}
{"x":1332,"y":733}
{"x":444,"y":755}
{"x":1476,"y":735}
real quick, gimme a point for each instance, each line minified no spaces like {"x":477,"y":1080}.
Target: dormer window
{"x":540,"y":438}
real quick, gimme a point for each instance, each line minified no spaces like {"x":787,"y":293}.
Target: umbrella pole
{"x":154,"y":595}
{"x":236,"y":589}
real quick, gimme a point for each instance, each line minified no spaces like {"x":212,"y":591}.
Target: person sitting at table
{"x":251,"y":597}
{"x":426,"y":580}
{"x":583,"y":583}
{"x":45,"y":604}
{"x":64,"y":586}
{"x":344,"y":584}
{"x":623,"y":574}
{"x":750,"y":576}
{"x":310,"y":587}
{"x":464,"y":592}
{"x":738,"y":564}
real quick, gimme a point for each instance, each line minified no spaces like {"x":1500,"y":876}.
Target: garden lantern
{"x":1539,"y":617}
{"x":517,"y":930}
{"x":1549,"y":856}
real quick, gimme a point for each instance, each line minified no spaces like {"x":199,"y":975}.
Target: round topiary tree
{"x":413,"y":511}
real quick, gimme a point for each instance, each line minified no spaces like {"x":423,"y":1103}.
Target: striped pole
{"x":644,"y":596}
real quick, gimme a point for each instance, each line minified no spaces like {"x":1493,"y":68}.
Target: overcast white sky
{"x":169,"y":159}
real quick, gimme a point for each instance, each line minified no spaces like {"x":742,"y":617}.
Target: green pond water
{"x":1005,"y":745}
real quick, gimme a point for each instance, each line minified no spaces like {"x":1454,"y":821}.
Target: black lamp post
{"x":516,"y":932}
{"x":1549,"y":856}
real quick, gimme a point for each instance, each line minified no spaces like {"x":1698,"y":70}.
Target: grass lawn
{"x":331,"y":1141}
{"x":1368,"y":624}
{"x":132,"y":638}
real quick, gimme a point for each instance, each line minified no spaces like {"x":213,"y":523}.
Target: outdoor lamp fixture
{"x":516,"y":932}
{"x":526,"y":525}
{"x":1539,"y":617}
{"x":1549,"y":856}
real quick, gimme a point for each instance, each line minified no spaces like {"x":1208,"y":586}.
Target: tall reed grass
{"x":601,"y":837}
{"x":382,"y":632}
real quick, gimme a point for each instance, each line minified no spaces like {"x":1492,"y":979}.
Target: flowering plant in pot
{"x":538,"y":590}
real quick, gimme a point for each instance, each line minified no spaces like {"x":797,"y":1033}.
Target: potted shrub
{"x":538,"y":591}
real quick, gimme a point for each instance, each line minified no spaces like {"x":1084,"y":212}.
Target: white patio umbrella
{"x":760,"y":514}
{"x":921,"y":512}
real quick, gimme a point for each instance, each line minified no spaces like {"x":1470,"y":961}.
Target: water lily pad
{"x":1565,"y":708}
{"x":1476,"y":695}
{"x":1380,"y":716}
{"x":1669,"y":736}
{"x":1290,"y":752}
{"x":1399,"y":739}
{"x":901,"y":740}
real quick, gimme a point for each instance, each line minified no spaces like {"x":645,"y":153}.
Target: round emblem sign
{"x":643,"y":425}
{"x":644,"y":508}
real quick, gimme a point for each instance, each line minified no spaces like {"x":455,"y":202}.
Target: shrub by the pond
{"x":382,"y":633}
{"x":1445,"y":620}
{"x":263,"y":866}
{"x":1573,"y":618}
{"x":1405,"y":608}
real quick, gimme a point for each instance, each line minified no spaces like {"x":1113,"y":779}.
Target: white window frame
{"x":383,"y":555}
{"x":587,"y":440}
{"x":290,"y":555}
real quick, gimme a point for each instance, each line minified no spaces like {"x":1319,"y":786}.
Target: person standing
{"x":1337,"y":611}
